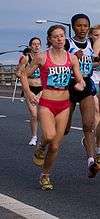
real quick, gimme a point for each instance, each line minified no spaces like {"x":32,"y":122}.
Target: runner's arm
{"x":80,"y":83}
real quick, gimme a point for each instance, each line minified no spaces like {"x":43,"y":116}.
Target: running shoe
{"x":45,"y":183}
{"x":33,"y":141}
{"x":22,"y":99}
{"x":97,"y":155}
{"x":93,"y":169}
{"x":39,"y":156}
{"x":98,"y":158}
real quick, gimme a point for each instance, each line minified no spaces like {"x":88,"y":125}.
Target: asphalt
{"x":75,"y":196}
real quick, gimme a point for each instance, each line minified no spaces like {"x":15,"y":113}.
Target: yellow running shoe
{"x":98,"y":158}
{"x":45,"y":183}
{"x":39,"y":156}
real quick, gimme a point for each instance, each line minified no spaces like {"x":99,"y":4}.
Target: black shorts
{"x":36,"y":90}
{"x":77,"y":96}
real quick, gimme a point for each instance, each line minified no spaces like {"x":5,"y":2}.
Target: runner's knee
{"x":49,"y":136}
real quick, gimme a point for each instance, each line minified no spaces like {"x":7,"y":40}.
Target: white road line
{"x":2,"y":116}
{"x":27,"y":120}
{"x":72,"y":127}
{"x":17,"y":98}
{"x":22,"y":209}
{"x":4,"y":97}
{"x":76,"y":128}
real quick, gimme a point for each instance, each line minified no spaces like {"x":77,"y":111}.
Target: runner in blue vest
{"x":80,"y":45}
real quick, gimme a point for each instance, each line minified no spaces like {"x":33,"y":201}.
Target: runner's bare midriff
{"x":55,"y":94}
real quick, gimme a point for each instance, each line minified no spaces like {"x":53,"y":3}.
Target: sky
{"x":21,"y":15}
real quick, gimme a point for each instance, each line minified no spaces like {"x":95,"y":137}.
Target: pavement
{"x":75,"y":196}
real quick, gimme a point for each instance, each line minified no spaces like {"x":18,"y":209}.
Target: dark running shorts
{"x":77,"y":96}
{"x":36,"y":90}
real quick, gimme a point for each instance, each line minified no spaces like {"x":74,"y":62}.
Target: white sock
{"x":97,"y":150}
{"x":90,"y":161}
{"x":35,"y":137}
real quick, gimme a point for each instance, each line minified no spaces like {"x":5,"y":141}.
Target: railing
{"x":7,"y":74}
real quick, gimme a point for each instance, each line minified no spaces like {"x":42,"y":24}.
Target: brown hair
{"x":96,"y":27}
{"x":34,"y":38}
{"x":51,"y":29}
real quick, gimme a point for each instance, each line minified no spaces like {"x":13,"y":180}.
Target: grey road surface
{"x":74,"y":195}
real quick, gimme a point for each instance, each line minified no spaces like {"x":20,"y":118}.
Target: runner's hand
{"x":79,"y":54}
{"x":80,"y":85}
{"x":32,"y":98}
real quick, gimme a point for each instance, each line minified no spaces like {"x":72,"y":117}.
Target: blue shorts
{"x":77,"y":96}
{"x":36,"y":90}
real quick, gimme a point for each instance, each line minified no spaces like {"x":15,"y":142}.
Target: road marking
{"x":2,"y":116}
{"x":4,"y":97}
{"x":22,"y":209}
{"x":76,"y":128}
{"x":27,"y":120}
{"x":72,"y":127}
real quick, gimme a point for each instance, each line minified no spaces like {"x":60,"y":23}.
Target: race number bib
{"x":59,"y":76}
{"x":86,"y":66}
{"x":36,"y":73}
